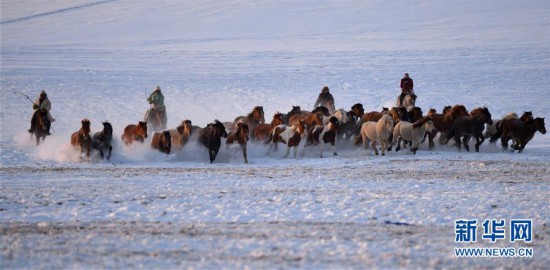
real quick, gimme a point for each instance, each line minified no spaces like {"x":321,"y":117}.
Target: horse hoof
{"x":335,"y":154}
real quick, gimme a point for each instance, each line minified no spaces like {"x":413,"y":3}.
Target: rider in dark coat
{"x":407,"y":86}
{"x":325,"y":99}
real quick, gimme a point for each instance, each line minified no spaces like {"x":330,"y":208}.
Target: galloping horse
{"x":210,"y":137}
{"x":411,"y":132}
{"x":162,"y":141}
{"x":154,"y":122}
{"x":82,"y":138}
{"x":263,"y":131}
{"x":255,"y":117}
{"x":377,"y":132}
{"x":324,"y":134}
{"x":444,"y":122}
{"x":521,"y":132}
{"x":102,"y":141}
{"x":468,"y":126}
{"x":494,"y":131}
{"x":289,"y":135}
{"x":181,"y":134}
{"x":40,"y":130}
{"x":134,"y":133}
{"x":240,"y":137}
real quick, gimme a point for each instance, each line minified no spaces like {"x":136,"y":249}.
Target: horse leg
{"x":287,"y":151}
{"x":373,"y":144}
{"x":431,"y":136}
{"x":109,"y":153}
{"x":243,"y":148}
{"x":480,"y":139}
{"x":398,"y":144}
{"x":321,"y":147}
{"x":333,"y":147}
{"x":504,"y":141}
{"x":465,"y":142}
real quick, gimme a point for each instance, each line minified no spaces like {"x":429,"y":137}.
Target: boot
{"x":48,"y":125}
{"x":31,"y":130}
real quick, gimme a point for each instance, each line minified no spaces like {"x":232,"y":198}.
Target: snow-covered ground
{"x":217,"y":60}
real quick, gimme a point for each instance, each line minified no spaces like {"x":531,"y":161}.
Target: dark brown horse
{"x":470,"y":126}
{"x":135,"y":133}
{"x":82,"y":139}
{"x":40,"y":129}
{"x":295,"y":110}
{"x":495,"y":131}
{"x":324,"y":134}
{"x":263,"y":131}
{"x":255,"y":117}
{"x":240,"y":137}
{"x":162,"y":141}
{"x":521,"y":132}
{"x":102,"y":141}
{"x":443,"y":122}
{"x":210,"y":137}
{"x":181,"y":134}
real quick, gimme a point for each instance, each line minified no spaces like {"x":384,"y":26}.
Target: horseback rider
{"x":407,"y":86}
{"x":42,"y":103}
{"x":156,"y":99}
{"x":325,"y":99}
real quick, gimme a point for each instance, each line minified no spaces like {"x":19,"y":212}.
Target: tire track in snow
{"x":25,"y":18}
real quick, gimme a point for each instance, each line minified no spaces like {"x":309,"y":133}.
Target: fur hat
{"x":325,"y":89}
{"x":43,"y":94}
{"x":157,"y":88}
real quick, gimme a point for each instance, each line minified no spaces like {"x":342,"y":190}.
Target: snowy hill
{"x":219,"y":59}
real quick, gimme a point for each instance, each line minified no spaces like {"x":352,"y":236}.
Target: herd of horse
{"x":405,"y":125}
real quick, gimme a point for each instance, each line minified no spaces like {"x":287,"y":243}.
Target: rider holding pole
{"x":42,"y":103}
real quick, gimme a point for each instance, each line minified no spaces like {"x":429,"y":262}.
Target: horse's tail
{"x":498,"y":133}
{"x":358,"y":140}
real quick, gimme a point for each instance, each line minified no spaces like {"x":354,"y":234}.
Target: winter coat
{"x":157,"y":99}
{"x":407,"y":83}
{"x":326,"y":100}
{"x":42,"y":104}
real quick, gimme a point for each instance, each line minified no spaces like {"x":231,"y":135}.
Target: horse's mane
{"x":454,"y":112}
{"x":421,"y":122}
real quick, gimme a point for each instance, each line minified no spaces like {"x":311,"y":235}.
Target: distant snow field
{"x":217,"y":60}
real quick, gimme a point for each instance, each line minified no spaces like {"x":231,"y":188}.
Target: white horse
{"x":289,"y":135}
{"x":377,"y":132}
{"x":340,"y":114}
{"x":408,"y":101}
{"x":411,"y":132}
{"x":324,"y":134}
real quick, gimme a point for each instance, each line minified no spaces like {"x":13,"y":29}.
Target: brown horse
{"x":443,"y":122}
{"x":240,"y":137}
{"x":162,"y":141}
{"x":263,"y":131}
{"x":289,"y":135}
{"x":102,"y":141}
{"x":134,"y":133}
{"x":181,"y":134}
{"x":255,"y":117}
{"x":324,"y":134}
{"x":295,"y":110}
{"x":210,"y":137}
{"x":470,"y":126}
{"x":309,"y":120}
{"x":40,"y":129}
{"x":321,"y":109}
{"x":82,"y":138}
{"x":521,"y":132}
